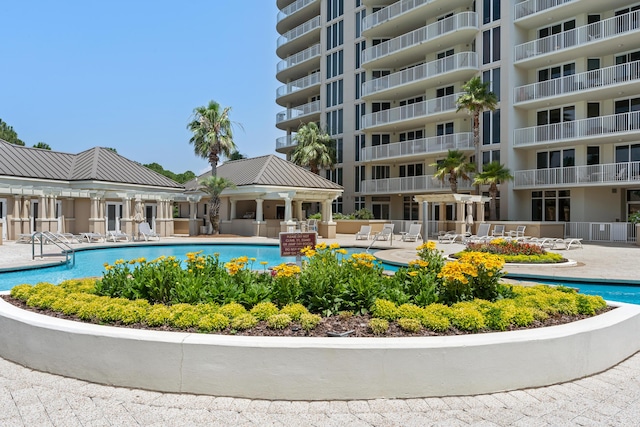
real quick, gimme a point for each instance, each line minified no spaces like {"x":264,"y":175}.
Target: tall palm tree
{"x":493,"y":174}
{"x":476,"y":98}
{"x":315,"y":148}
{"x":212,"y":133}
{"x":454,"y":166}
{"x":214,"y":186}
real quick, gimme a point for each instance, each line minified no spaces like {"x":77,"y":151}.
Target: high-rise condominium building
{"x":383,"y":77}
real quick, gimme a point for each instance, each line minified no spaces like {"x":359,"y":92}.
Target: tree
{"x":42,"y":146}
{"x":214,"y":186}
{"x":181,"y":177}
{"x":315,"y":148}
{"x":236,"y":155}
{"x":212,"y":133}
{"x":454,"y":166}
{"x":476,"y":98}
{"x":493,"y":174}
{"x":8,"y":134}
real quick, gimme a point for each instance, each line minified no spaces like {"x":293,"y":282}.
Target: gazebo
{"x":463,"y":208}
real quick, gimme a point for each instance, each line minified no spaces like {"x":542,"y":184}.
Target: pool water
{"x":91,"y":263}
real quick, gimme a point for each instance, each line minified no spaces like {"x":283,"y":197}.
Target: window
{"x":359,"y":145}
{"x":627,"y":153}
{"x":491,"y":45}
{"x":410,"y":170}
{"x":339,"y":150}
{"x":380,"y":207}
{"x":335,"y":8}
{"x":627,"y":121}
{"x":411,"y":135}
{"x":493,"y":78}
{"x":335,"y":65}
{"x":359,"y":17}
{"x":411,"y":101}
{"x":556,"y":158}
{"x":554,"y":117}
{"x":556,"y":29}
{"x":335,"y":35}
{"x":380,"y":172}
{"x":411,"y":209}
{"x":626,"y":20}
{"x":334,"y":122}
{"x":490,"y":156}
{"x":444,"y":129}
{"x":336,"y":205}
{"x":490,"y":11}
{"x":444,"y":91}
{"x":360,"y":79}
{"x":556,"y":72}
{"x":334,"y":175}
{"x":593,"y":155}
{"x":490,"y":127}
{"x":551,"y":205}
{"x":376,"y":74}
{"x":633,"y":202}
{"x":380,"y":139}
{"x":359,"y":48}
{"x":359,"y":203}
{"x":360,"y":111}
{"x":334,"y":93}
{"x":359,"y":177}
{"x":380,"y":106}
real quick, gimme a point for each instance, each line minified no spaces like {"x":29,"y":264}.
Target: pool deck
{"x":32,"y":398}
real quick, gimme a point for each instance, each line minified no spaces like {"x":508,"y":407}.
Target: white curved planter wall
{"x":319,"y":368}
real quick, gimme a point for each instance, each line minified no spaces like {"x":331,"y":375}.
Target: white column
{"x":259,"y":214}
{"x":94,"y":207}
{"x":287,"y":208}
{"x":16,"y":208}
{"x":193,"y":210}
{"x":42,"y":208}
{"x":52,"y":207}
{"x":126,"y":212}
{"x":232,"y":213}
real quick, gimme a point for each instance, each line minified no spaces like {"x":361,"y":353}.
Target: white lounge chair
{"x":518,"y":232}
{"x":145,"y":230}
{"x":386,"y":233}
{"x":364,"y":233}
{"x":498,"y":230}
{"x":26,"y":238}
{"x":482,"y":236}
{"x":117,"y":236}
{"x":566,"y":243}
{"x":413,"y":234}
{"x":92,"y":237}
{"x":67,"y":238}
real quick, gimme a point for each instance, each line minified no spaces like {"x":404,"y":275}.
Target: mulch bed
{"x":353,"y":326}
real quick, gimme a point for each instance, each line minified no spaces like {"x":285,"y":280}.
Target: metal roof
{"x":268,"y":170}
{"x":95,"y":164}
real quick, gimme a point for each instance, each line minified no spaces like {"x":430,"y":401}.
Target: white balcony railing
{"x":301,"y":111}
{"x":578,"y":129}
{"x":299,"y":31}
{"x":293,"y":8}
{"x":579,"y":82}
{"x":411,"y":111}
{"x":303,"y":83}
{"x":463,"y":60}
{"x":605,"y":29}
{"x":601,"y":231}
{"x":286,"y":142}
{"x":421,"y":35}
{"x":529,"y":7}
{"x":298,"y":58}
{"x":411,"y":184}
{"x":612,"y":173}
{"x":434,"y":144}
{"x":391,"y":11}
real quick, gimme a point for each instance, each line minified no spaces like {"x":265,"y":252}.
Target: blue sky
{"x":127,"y":74}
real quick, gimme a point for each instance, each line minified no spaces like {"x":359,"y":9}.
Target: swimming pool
{"x":90,"y":263}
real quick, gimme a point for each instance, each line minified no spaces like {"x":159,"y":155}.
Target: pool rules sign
{"x":292,"y":243}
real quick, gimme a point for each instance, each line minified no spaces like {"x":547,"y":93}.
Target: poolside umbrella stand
{"x":138,"y":217}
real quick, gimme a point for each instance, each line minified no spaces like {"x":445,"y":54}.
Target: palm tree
{"x":454,"y":166}
{"x":214,"y":186}
{"x":212,"y":133}
{"x":476,"y":98}
{"x":315,"y":148}
{"x":42,"y":146}
{"x":493,"y":174}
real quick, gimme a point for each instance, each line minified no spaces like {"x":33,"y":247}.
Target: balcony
{"x":418,"y":148}
{"x":405,"y":15}
{"x":411,"y":184}
{"x":411,"y":115}
{"x":299,"y":90}
{"x":579,"y":176}
{"x":299,"y":38}
{"x":404,"y":83}
{"x":285,"y":143}
{"x":413,"y":46}
{"x":597,"y":39}
{"x":292,"y":117}
{"x":537,"y":13}
{"x":591,"y":85}
{"x":296,"y":13}
{"x":299,"y":64}
{"x":592,"y":130}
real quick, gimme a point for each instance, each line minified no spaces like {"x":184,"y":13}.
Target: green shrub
{"x":309,"y":321}
{"x":213,"y":322}
{"x":294,"y":311}
{"x":384,"y":309}
{"x":465,"y":316}
{"x":410,"y":311}
{"x":345,"y":315}
{"x":22,"y":292}
{"x":232,"y":310}
{"x":158,"y":315}
{"x":244,"y":321}
{"x":264,"y":310}
{"x":184,"y":316}
{"x":409,"y":325}
{"x":279,"y":321}
{"x":378,"y":326}
{"x":434,"y":321}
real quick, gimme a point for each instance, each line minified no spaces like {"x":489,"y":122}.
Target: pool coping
{"x":319,"y":368}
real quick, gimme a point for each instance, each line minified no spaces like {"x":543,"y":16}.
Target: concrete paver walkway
{"x":31,"y":398}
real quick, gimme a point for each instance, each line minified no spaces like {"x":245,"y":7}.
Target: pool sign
{"x":292,"y":243}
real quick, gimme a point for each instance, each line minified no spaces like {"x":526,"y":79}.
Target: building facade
{"x":383,"y":78}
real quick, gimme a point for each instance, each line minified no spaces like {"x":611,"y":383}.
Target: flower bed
{"x":515,"y":252}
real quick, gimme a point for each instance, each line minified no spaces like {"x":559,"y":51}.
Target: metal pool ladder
{"x":48,"y":237}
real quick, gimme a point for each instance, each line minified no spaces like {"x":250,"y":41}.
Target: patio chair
{"x":92,"y":237}
{"x":386,"y":233}
{"x":518,"y":232}
{"x":117,"y":236}
{"x":66,"y":238}
{"x":498,"y":231}
{"x":566,"y":243}
{"x":413,"y":234}
{"x":482,"y":236}
{"x":26,"y":238}
{"x":312,"y":225}
{"x":145,"y":230}
{"x":364,"y":233}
